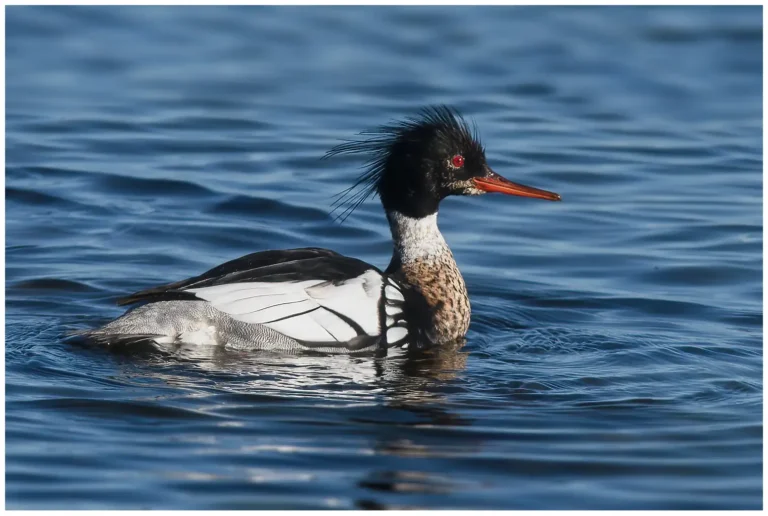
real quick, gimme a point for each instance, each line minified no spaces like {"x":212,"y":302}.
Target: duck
{"x":315,"y":299}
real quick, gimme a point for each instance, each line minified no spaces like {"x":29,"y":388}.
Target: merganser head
{"x":415,"y":164}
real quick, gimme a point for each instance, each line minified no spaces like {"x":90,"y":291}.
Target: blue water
{"x":614,"y":359}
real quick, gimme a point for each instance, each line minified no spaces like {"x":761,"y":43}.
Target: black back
{"x":266,"y":266}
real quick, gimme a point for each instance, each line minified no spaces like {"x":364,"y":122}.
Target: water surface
{"x":614,"y":359}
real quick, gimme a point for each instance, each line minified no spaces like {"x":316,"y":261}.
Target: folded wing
{"x":315,"y":296}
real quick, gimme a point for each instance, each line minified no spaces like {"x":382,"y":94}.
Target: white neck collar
{"x":416,"y":239}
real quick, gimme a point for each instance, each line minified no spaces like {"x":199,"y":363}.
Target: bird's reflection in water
{"x":398,"y":403}
{"x":418,"y":396}
{"x":397,"y":379}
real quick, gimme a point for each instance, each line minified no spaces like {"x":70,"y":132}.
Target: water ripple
{"x":614,"y":359}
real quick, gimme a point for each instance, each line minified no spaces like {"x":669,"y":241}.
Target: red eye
{"x":457,"y":161}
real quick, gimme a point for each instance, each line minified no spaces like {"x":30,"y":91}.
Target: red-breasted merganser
{"x":316,"y":299}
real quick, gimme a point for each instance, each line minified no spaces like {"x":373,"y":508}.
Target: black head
{"x":415,"y":164}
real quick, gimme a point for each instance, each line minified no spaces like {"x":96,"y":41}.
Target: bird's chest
{"x":443,"y":288}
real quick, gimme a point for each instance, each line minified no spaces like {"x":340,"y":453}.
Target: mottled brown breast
{"x":442,"y":285}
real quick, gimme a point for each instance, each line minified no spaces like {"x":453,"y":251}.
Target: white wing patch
{"x":312,"y":310}
{"x":396,"y":328}
{"x":396,"y":333}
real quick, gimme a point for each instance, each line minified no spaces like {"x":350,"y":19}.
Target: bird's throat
{"x":422,"y":260}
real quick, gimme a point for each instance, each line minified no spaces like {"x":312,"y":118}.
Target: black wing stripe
{"x":326,"y":329}
{"x":352,"y":324}
{"x":358,"y":343}
{"x":245,"y":289}
{"x":273,"y":306}
{"x":296,"y":315}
